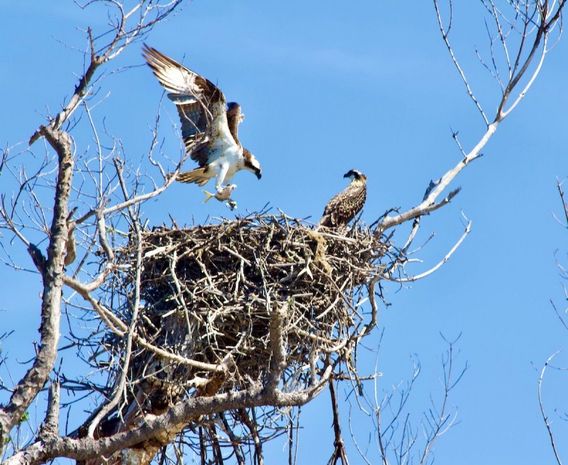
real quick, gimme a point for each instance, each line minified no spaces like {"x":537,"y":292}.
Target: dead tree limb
{"x":537,"y":25}
{"x":34,"y":380}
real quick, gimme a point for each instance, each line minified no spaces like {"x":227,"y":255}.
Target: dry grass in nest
{"x":208,"y":291}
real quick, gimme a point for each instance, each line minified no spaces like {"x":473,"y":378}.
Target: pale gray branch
{"x":543,"y":414}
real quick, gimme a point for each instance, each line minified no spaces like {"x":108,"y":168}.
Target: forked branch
{"x":537,"y":21}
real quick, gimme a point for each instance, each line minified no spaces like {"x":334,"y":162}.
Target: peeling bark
{"x":34,"y":380}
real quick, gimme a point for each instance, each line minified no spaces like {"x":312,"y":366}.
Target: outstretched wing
{"x":201,"y":105}
{"x":234,"y":118}
{"x":344,"y":206}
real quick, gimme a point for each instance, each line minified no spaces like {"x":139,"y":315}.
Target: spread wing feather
{"x":234,"y":118}
{"x":201,"y":105}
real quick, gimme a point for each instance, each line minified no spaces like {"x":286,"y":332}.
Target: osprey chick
{"x":209,"y":127}
{"x":342,"y":208}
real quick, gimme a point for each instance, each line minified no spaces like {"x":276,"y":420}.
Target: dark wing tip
{"x":149,"y":52}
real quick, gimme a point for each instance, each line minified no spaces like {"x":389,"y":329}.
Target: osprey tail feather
{"x":198,"y":176}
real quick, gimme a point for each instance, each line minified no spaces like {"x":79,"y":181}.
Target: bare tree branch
{"x":547,"y":17}
{"x":445,"y":36}
{"x":181,"y":413}
{"x":545,"y":418}
{"x":34,"y":380}
{"x":439,"y":264}
{"x":339,"y":452}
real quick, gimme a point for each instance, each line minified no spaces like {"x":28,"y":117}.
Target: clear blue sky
{"x":329,"y":86}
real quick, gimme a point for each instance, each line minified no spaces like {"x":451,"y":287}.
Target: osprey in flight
{"x":209,"y":126}
{"x":342,"y":208}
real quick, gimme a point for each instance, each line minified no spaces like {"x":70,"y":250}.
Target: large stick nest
{"x":207,"y":294}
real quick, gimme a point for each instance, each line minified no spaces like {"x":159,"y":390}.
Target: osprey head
{"x":252,"y":164}
{"x":234,"y":109}
{"x":355,"y":175}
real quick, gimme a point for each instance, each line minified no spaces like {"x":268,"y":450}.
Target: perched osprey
{"x":209,"y":126}
{"x":342,"y":208}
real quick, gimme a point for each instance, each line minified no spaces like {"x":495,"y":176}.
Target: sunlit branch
{"x":543,"y":414}
{"x":439,"y":264}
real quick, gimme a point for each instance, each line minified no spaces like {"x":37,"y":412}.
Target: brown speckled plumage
{"x":343,"y":207}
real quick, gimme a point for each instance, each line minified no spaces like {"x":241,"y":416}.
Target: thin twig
{"x":545,"y":418}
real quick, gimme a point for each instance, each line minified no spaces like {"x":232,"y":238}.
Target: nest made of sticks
{"x":207,"y":293}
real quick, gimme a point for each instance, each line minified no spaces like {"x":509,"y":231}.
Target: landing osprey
{"x":209,"y":127}
{"x":342,"y":208}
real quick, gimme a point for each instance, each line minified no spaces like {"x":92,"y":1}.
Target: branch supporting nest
{"x":263,"y":305}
